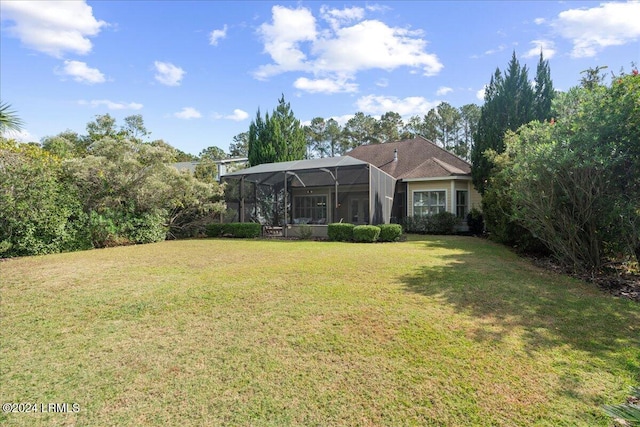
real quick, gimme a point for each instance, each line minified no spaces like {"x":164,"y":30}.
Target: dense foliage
{"x":340,"y":232}
{"x":440,"y":223}
{"x":276,"y":138}
{"x":241,"y":230}
{"x":511,"y":100}
{"x":104,"y":189}
{"x":574,"y":182}
{"x":365,"y":233}
{"x":389,"y":232}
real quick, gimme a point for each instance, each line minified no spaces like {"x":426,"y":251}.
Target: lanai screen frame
{"x":326,"y":172}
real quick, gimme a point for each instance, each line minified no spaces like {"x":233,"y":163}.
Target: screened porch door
{"x":359,"y":210}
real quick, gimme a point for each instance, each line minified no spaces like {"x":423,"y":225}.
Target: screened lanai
{"x":310,"y":192}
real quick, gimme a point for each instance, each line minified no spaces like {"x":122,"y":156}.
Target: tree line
{"x":279,"y":136}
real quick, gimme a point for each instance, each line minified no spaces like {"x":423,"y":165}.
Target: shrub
{"x":440,"y":223}
{"x":242,"y":230}
{"x":214,"y":229}
{"x":366,"y":233}
{"x":390,"y":232}
{"x":475,"y":221}
{"x":340,"y":232}
{"x":304,"y":232}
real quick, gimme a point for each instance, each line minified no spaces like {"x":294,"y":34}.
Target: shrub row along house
{"x":372,"y":184}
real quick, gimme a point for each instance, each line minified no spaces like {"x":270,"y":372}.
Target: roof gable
{"x":417,"y":158}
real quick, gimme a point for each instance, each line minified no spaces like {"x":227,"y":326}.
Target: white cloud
{"x":382,"y":83}
{"x":20,"y":136}
{"x":443,"y":90}
{"x":238,"y":115}
{"x":188,"y":113}
{"x":168,"y":74}
{"x":481,"y":92}
{"x":111,"y":105}
{"x":592,"y":30}
{"x":282,"y":40}
{"x":546,"y":46}
{"x":294,"y":43}
{"x":324,"y":85}
{"x":52,"y":27}
{"x":82,"y":73}
{"x":217,"y":35}
{"x":539,"y":21}
{"x":406,"y":107}
{"x":496,"y":50}
{"x":338,"y":17}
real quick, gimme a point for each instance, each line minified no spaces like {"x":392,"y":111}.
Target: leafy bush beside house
{"x":242,"y":230}
{"x":366,"y":233}
{"x":389,"y":232}
{"x":340,"y":232}
{"x":440,"y":223}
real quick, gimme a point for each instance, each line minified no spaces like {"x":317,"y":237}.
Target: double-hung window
{"x":429,"y":202}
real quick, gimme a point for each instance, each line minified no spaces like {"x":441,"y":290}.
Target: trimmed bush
{"x":389,"y":232}
{"x":242,"y":230}
{"x":366,"y":233}
{"x":440,"y":223}
{"x":340,"y":232}
{"x":214,"y":229}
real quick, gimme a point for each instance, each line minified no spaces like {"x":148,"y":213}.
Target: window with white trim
{"x":462,"y":196}
{"x":429,"y":202}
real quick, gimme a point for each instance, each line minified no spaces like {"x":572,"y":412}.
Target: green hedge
{"x":243,"y":230}
{"x":340,"y":232}
{"x":215,"y":229}
{"x":389,"y":232}
{"x":366,"y":233}
{"x":440,"y":223}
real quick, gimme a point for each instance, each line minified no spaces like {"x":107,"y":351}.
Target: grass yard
{"x":442,"y":331}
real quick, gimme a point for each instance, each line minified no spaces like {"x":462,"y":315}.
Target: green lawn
{"x":447,"y":331}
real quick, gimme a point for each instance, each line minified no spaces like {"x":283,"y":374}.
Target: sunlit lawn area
{"x":449,"y":331}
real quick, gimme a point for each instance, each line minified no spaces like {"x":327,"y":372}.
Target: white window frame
{"x":465,"y":205}
{"x":443,"y":206}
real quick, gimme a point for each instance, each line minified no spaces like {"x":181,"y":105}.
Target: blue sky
{"x":198,"y":71}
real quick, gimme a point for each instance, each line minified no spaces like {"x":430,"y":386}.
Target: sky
{"x":198,"y":71}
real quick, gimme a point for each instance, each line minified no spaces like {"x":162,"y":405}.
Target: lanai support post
{"x":284,"y":228}
{"x":335,"y":204}
{"x":242,"y":199}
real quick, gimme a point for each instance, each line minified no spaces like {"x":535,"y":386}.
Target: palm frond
{"x":9,"y":120}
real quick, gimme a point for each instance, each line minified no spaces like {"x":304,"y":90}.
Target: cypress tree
{"x":277,"y":138}
{"x":509,"y":103}
{"x":543,"y":91}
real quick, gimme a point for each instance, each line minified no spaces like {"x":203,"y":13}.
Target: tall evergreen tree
{"x":509,"y":103}
{"x":543,"y":91}
{"x":277,"y":138}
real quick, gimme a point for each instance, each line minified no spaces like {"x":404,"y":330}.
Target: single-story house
{"x":372,"y":184}
{"x":429,"y":178}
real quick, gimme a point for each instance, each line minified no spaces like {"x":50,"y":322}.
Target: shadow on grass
{"x":504,"y":293}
